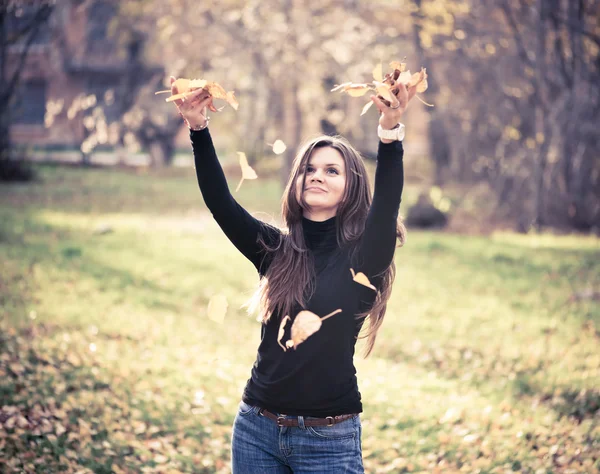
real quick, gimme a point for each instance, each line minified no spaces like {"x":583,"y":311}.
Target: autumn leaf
{"x":305,"y":325}
{"x":282,"y":331}
{"x":362,"y":279}
{"x":217,"y":308}
{"x":186,"y":86}
{"x":247,"y":171}
{"x":378,"y":72}
{"x":366,"y":107}
{"x":386,"y":86}
{"x":279,"y":147}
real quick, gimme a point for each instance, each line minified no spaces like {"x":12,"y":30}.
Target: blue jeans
{"x":259,"y":446}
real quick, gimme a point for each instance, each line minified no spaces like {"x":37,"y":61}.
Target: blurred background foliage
{"x":513,"y":83}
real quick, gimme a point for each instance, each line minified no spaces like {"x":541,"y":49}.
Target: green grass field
{"x":488,"y":360}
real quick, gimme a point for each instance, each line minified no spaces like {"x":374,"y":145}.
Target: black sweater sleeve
{"x":378,"y":242}
{"x":238,"y":225}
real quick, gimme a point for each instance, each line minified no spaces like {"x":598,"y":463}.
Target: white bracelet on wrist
{"x":396,"y":133}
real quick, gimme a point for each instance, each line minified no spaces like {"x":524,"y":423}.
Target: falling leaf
{"x":361,"y":278}
{"x":366,"y":107}
{"x":279,"y":147}
{"x":217,"y":308}
{"x":282,"y":331}
{"x":378,"y":72}
{"x":247,"y":171}
{"x":306,"y":324}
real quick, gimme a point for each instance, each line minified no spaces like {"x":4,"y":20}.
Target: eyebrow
{"x":330,"y":164}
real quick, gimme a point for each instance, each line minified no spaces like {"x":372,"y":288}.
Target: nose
{"x":317,"y":176}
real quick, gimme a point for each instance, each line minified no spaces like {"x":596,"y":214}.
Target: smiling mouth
{"x":316,"y":190}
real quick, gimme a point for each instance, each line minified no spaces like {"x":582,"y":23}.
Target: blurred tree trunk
{"x":10,"y":79}
{"x":438,"y":135}
{"x":292,"y":123}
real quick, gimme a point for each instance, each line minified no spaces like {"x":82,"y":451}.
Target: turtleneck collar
{"x":320,"y":235}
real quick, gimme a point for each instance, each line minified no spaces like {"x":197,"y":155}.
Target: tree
{"x":20,"y":25}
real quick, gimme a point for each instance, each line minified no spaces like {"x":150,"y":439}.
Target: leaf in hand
{"x":247,"y":171}
{"x":305,"y":325}
{"x":185,"y":87}
{"x":217,"y":308}
{"x":361,"y":278}
{"x":282,"y":331}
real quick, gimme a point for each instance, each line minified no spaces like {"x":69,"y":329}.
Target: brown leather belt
{"x":281,"y":420}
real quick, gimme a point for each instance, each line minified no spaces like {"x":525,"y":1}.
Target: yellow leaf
{"x":279,"y":147}
{"x":217,"y":308}
{"x":405,"y":77}
{"x":357,"y":90}
{"x":247,"y":171}
{"x":361,"y":278}
{"x":186,"y":86}
{"x":366,"y":107}
{"x":340,"y":86}
{"x":306,"y":324}
{"x":378,"y":73}
{"x":398,"y":65}
{"x":282,"y":331}
{"x":384,"y":91}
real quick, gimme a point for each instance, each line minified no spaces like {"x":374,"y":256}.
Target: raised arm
{"x":378,"y":242}
{"x":239,"y":226}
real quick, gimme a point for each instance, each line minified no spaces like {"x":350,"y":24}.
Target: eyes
{"x":310,"y":169}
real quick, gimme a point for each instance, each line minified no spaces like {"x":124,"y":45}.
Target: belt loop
{"x":301,"y":422}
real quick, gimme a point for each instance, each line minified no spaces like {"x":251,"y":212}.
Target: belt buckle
{"x":330,"y":420}
{"x":280,"y":420}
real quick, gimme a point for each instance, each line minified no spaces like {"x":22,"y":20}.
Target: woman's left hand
{"x":392,"y":114}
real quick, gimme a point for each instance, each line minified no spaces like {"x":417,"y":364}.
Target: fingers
{"x":378,"y":103}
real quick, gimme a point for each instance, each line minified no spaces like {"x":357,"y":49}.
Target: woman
{"x":300,"y":408}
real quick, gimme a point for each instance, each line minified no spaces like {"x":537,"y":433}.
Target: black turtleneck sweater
{"x":318,"y":378}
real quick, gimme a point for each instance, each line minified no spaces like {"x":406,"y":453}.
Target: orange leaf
{"x":362,"y":279}
{"x":384,"y":90}
{"x":306,"y":324}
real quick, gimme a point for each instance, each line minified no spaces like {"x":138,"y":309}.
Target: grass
{"x":487,"y":362}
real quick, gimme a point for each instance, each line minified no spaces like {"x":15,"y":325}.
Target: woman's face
{"x":325,"y":183}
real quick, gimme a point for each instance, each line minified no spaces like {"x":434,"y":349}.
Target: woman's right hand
{"x":193,"y":108}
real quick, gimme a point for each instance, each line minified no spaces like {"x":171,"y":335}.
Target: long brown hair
{"x":290,"y":277}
